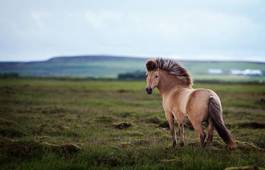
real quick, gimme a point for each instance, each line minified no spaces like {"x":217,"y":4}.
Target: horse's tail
{"x":215,"y":113}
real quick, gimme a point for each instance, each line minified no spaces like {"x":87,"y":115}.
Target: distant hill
{"x":101,"y":66}
{"x":75,"y":66}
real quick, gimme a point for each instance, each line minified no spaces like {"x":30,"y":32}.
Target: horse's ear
{"x":151,"y":65}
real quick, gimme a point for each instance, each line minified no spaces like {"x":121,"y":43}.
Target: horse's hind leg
{"x":199,"y":129}
{"x":210,"y":131}
{"x":197,"y":125}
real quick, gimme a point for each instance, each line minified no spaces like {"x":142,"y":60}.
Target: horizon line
{"x":135,"y":57}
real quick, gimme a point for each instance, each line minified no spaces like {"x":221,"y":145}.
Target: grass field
{"x":85,"y":124}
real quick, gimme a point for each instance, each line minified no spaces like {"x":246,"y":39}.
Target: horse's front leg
{"x":181,"y":133}
{"x":180,"y":119}
{"x":170,"y":120}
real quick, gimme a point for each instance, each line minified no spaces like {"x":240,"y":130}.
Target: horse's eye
{"x":156,"y":76}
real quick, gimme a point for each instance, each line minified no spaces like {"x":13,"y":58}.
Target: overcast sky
{"x":190,"y":29}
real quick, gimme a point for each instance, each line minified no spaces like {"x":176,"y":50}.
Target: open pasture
{"x":105,"y":124}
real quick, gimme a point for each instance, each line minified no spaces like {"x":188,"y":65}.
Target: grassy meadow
{"x":105,"y":124}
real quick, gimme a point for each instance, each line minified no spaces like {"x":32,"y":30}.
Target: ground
{"x":85,"y":124}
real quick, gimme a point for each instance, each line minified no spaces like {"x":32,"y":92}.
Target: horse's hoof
{"x":209,"y":141}
{"x":181,"y":144}
{"x":231,"y":146}
{"x":203,"y":144}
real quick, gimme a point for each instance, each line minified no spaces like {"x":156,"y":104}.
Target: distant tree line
{"x":137,"y":75}
{"x":9,"y":75}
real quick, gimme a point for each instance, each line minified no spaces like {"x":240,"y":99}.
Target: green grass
{"x":36,"y":112}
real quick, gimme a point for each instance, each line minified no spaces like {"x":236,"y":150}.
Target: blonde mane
{"x":173,"y":68}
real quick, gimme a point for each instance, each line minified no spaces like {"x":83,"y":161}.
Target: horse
{"x":180,"y":100}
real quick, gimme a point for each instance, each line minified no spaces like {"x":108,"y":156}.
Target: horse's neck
{"x":169,"y":83}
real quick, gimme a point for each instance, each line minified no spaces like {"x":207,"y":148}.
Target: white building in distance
{"x":215,"y":71}
{"x":246,"y":72}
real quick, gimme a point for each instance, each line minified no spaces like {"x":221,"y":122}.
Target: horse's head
{"x":152,"y":75}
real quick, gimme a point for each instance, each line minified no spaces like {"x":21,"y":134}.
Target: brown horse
{"x":180,"y":100}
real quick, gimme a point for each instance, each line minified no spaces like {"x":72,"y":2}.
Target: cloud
{"x":224,"y":29}
{"x":101,"y":19}
{"x":39,"y":17}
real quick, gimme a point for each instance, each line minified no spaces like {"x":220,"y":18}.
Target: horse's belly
{"x":182,"y":105}
{"x":181,"y":100}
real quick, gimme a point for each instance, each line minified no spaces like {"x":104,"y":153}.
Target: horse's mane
{"x":172,"y":67}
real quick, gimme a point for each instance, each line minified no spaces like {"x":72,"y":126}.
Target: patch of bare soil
{"x":164,"y":125}
{"x":261,"y":101}
{"x":154,"y":120}
{"x":122,"y":125}
{"x":123,"y":91}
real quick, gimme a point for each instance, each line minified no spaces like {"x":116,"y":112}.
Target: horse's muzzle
{"x":148,"y":90}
